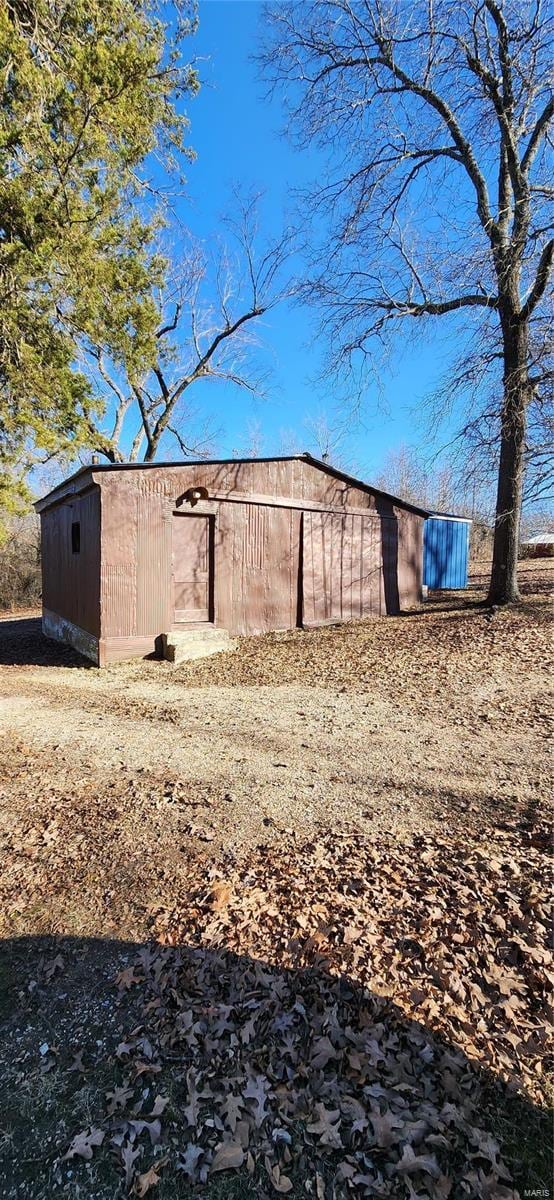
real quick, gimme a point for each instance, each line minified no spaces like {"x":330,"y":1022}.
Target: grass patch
{"x":524,"y":1132}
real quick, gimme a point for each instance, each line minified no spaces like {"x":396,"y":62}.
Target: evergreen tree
{"x":90,"y":90}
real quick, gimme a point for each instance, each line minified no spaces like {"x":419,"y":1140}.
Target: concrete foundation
{"x":61,"y":630}
{"x":183,"y":646}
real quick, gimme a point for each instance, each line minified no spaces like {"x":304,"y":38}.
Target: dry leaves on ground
{"x":397,"y":981}
{"x":454,"y":932}
{"x":392,"y":1113}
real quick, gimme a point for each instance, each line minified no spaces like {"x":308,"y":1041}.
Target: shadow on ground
{"x":198,"y":1072}
{"x":22,"y":643}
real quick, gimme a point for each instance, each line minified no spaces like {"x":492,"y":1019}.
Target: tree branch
{"x":541,"y":280}
{"x":171,"y":325}
{"x":143,"y":415}
{"x":461,"y":143}
{"x":434,"y":308}
{"x":539,"y":129}
{"x":201,"y":368}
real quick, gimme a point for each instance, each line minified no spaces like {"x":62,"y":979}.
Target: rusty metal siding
{"x":256,"y":567}
{"x":369,"y":566}
{"x":192,"y":567}
{"x":276,"y":560}
{"x":342,"y":577}
{"x":71,"y":581}
{"x":410,"y":559}
{"x":118,"y":587}
{"x":119,"y":558}
{"x":154,"y":507}
{"x":289,"y":480}
{"x":136,"y":555}
{"x":254,"y":537}
{"x":353,"y":565}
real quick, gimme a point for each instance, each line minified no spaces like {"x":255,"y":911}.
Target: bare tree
{"x":444,"y":483}
{"x":435,"y":116}
{"x":325,"y":435}
{"x":208,"y":308}
{"x":406,"y":475}
{"x":470,"y":398}
{"x":328,"y":435}
{"x":251,"y":444}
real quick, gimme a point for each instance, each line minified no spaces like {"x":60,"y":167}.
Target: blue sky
{"x":236,"y":134}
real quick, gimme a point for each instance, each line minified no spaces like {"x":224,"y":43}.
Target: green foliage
{"x":89,"y":90}
{"x":15,"y":499}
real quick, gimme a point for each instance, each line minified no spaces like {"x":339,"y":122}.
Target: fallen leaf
{"x":385,"y":1127}
{"x":126,"y":979}
{"x":128,"y":1156}
{"x":220,"y":896}
{"x":83,"y":1144}
{"x":77,"y":1063}
{"x":411,"y":1163}
{"x":232,"y":1108}
{"x":228,"y":1156}
{"x":323,"y":1052}
{"x":118,"y":1099}
{"x":281,"y":1183}
{"x":257,"y":1089}
{"x":144,"y":1182}
{"x":160,"y":1104}
{"x":190,"y":1160}
{"x":327,"y":1126}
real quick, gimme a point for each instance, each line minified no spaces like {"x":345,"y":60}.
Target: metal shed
{"x":446,"y":551}
{"x":131,"y":551}
{"x":540,"y":546}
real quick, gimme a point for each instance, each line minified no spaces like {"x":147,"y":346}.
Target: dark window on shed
{"x":76,"y":537}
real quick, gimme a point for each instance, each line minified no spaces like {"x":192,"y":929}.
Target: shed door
{"x":192,"y":568}
{"x":341,"y":567}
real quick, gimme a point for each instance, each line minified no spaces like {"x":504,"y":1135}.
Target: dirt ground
{"x":125,"y":792}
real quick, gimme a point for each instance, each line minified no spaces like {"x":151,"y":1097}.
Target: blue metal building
{"x":445,"y":551}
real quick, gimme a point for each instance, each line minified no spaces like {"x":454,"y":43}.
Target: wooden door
{"x":192,"y":568}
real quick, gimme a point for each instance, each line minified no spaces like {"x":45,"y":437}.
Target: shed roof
{"x":442,"y":516}
{"x":70,"y":484}
{"x":540,"y":539}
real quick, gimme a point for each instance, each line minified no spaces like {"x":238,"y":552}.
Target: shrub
{"x":20,"y":581}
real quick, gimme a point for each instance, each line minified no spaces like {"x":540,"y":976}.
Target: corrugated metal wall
{"x":445,"y":553}
{"x":410,"y":559}
{"x":71,"y":579}
{"x":256,"y":567}
{"x":276,"y":561}
{"x":136,"y":555}
{"x":341,"y":567}
{"x":291,"y":479}
{"x":359,"y":566}
{"x":153,"y":564}
{"x":256,"y":555}
{"x":350,"y":565}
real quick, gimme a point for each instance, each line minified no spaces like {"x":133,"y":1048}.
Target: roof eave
{"x":72,"y":486}
{"x":365,"y":487}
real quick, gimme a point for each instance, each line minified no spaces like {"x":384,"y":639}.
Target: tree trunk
{"x":503,"y":586}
